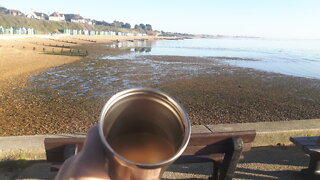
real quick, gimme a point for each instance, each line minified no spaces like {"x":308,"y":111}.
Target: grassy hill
{"x":45,"y":26}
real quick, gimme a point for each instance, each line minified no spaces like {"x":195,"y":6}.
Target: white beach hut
{"x":17,"y":31}
{"x":30,"y":31}
{"x":67,"y":31}
{"x":11,"y":30}
{"x":23,"y":30}
{"x":74,"y":32}
{"x":92,"y":33}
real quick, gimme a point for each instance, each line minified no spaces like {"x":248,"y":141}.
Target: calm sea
{"x":296,"y":57}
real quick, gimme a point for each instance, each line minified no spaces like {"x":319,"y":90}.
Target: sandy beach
{"x":18,"y":60}
{"x":218,"y":94}
{"x":21,"y":56}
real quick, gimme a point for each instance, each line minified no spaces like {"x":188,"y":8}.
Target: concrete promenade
{"x":272,"y":156}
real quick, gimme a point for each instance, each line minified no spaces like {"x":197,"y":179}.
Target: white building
{"x":38,"y":15}
{"x":78,"y":20}
{"x":56,"y":17}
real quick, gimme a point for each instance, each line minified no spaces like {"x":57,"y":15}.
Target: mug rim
{"x":130,"y":92}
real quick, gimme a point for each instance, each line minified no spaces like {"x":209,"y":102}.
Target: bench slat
{"x":194,"y":150}
{"x":56,"y":142}
{"x":305,"y":141}
{"x":216,"y":137}
{"x":199,"y":159}
{"x":312,"y":149}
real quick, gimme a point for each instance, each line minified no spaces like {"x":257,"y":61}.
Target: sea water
{"x":296,"y":57}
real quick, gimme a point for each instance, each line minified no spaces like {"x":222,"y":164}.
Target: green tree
{"x":117,"y":24}
{"x":142,"y":26}
{"x":148,"y":27}
{"x":127,"y":25}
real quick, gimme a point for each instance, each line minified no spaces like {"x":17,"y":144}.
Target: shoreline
{"x":226,"y":95}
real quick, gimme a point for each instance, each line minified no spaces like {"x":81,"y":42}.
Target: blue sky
{"x":265,"y":18}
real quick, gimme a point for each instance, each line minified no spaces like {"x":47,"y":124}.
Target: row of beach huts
{"x":31,"y":31}
{"x":15,"y":30}
{"x":91,"y":32}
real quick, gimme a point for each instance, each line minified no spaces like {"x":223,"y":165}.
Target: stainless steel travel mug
{"x":151,"y":113}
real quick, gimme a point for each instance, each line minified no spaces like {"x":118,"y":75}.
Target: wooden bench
{"x":311,"y":146}
{"x":224,"y":149}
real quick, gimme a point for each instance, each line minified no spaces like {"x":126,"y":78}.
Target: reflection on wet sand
{"x":134,"y":46}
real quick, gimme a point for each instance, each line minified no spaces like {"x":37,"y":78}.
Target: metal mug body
{"x":142,"y":110}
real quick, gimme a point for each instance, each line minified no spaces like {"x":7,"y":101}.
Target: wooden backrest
{"x":200,"y":144}
{"x":216,"y":142}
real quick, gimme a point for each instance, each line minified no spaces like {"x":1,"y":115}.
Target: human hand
{"x":90,"y":163}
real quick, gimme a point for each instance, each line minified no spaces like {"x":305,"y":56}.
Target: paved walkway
{"x":266,"y":163}
{"x":260,"y":163}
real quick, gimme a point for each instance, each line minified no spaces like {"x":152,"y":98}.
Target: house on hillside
{"x":14,"y":12}
{"x":56,"y":17}
{"x":88,"y":21}
{"x":38,"y":15}
{"x":73,"y":18}
{"x":76,"y":18}
{"x":3,"y":10}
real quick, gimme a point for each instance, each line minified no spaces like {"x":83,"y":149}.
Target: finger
{"x":93,"y":147}
{"x":91,"y":162}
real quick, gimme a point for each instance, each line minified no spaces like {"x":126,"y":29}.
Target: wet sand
{"x":218,"y":94}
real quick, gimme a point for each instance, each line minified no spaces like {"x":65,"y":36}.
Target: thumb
{"x":93,"y":146}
